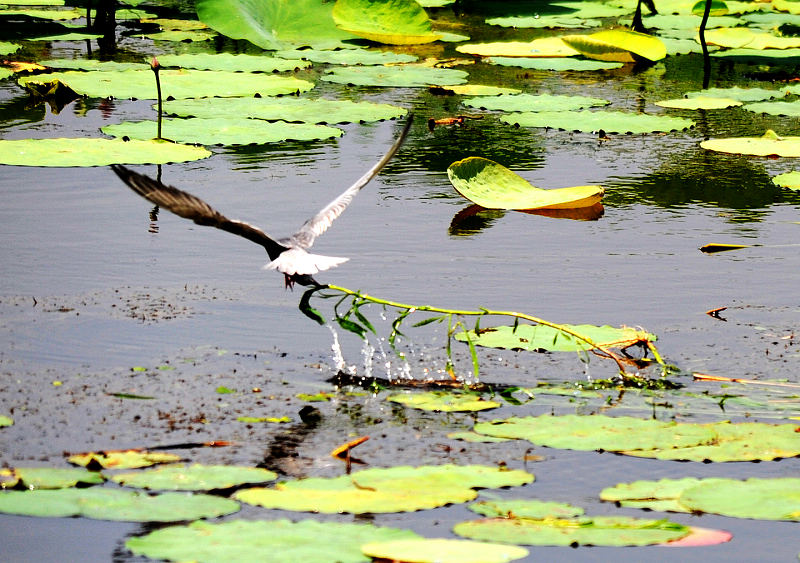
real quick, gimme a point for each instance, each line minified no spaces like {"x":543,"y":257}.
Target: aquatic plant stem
{"x":603,"y":350}
{"x":155,"y":68}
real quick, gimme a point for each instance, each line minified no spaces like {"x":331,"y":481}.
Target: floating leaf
{"x":480,"y":90}
{"x":659,"y":495}
{"x":531,"y":102}
{"x":542,"y":337}
{"x":764,"y":499}
{"x":591,"y":121}
{"x":443,"y":550}
{"x":95,"y":152}
{"x":758,"y":55}
{"x":493,"y":186}
{"x":224,"y":131}
{"x":443,"y":401}
{"x":123,"y":459}
{"x":47,"y":477}
{"x":194,"y":477}
{"x":789,"y":180}
{"x":546,"y":22}
{"x":741,"y":94}
{"x":767,"y":145}
{"x":231,"y":63}
{"x":274,"y":24}
{"x":347,"y":56}
{"x":410,"y":75}
{"x":6,"y":48}
{"x":791,"y":109}
{"x":553,"y":63}
{"x":528,"y":508}
{"x":737,"y":37}
{"x":598,"y":432}
{"x":259,"y":540}
{"x":617,"y":45}
{"x":600,"y":530}
{"x":91,"y":64}
{"x":700,"y":102}
{"x":543,"y":47}
{"x":114,"y":504}
{"x":175,"y":83}
{"x":5,"y":420}
{"x":56,"y":15}
{"x":397,"y":22}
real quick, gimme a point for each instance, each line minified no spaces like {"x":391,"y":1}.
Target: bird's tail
{"x":298,"y":261}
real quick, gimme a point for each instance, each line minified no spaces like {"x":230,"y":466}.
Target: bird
{"x":287,"y":255}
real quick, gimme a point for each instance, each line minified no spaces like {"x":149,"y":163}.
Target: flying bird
{"x":288,"y":255}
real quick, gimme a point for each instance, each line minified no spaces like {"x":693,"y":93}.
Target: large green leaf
{"x":95,"y":152}
{"x":410,"y":75}
{"x":700,"y":102}
{"x":542,"y":47}
{"x":493,"y":186}
{"x":598,"y":432}
{"x":662,"y":495}
{"x":122,"y":459}
{"x":347,"y":56}
{"x":194,"y":477}
{"x":767,"y":145}
{"x":527,"y":508}
{"x":114,"y":504}
{"x":765,"y":499}
{"x":443,"y":551}
{"x":554,"y":63}
{"x":550,"y":21}
{"x":140,"y":84}
{"x":232,"y":63}
{"x":617,"y":45}
{"x":397,"y":22}
{"x":286,"y":109}
{"x":590,"y":121}
{"x":274,"y":24}
{"x":47,"y":477}
{"x":443,"y":401}
{"x":6,"y":48}
{"x":791,"y":109}
{"x":789,"y":180}
{"x":737,"y":37}
{"x":533,"y":102}
{"x":267,"y":541}
{"x":224,"y":131}
{"x":542,"y":337}
{"x":741,"y":94}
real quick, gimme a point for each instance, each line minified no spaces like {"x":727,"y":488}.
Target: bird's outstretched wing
{"x":320,"y":222}
{"x":190,"y":207}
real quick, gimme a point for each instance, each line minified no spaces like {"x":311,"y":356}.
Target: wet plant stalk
{"x":155,"y":67}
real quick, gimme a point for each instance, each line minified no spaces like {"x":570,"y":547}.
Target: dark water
{"x":91,"y":286}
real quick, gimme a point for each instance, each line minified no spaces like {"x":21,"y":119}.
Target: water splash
{"x":338,"y":357}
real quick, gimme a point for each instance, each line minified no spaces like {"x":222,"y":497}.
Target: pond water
{"x":94,"y":286}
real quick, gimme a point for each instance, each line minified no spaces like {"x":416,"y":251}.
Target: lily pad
{"x":662,"y":495}
{"x":590,"y":121}
{"x":194,"y":477}
{"x":789,"y":180}
{"x":763,"y":499}
{"x":411,"y":75}
{"x":274,"y":24}
{"x":175,"y":83}
{"x":123,"y":459}
{"x":286,"y":109}
{"x":95,"y":152}
{"x":737,"y":37}
{"x":618,"y":45}
{"x":767,"y":145}
{"x":600,"y":530}
{"x":598,"y":432}
{"x":533,"y":102}
{"x":6,"y":420}
{"x":264,"y":540}
{"x":224,"y":131}
{"x":758,"y":55}
{"x":347,"y":56}
{"x":6,"y":48}
{"x":528,"y":508}
{"x":481,"y":90}
{"x":47,"y":477}
{"x":55,"y":15}
{"x":378,"y":490}
{"x":426,"y":550}
{"x":113,"y":504}
{"x":91,"y":64}
{"x":397,"y":22}
{"x":443,"y":401}
{"x":232,"y":63}
{"x":561,"y":64}
{"x":542,"y":47}
{"x":791,"y":109}
{"x":700,"y":102}
{"x":544,"y":22}
{"x":493,"y":186}
{"x":741,"y":94}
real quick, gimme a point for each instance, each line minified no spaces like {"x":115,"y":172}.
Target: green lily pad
{"x":700,"y":102}
{"x":481,"y":90}
{"x":737,"y":37}
{"x":542,"y":337}
{"x":741,"y":94}
{"x":378,"y":490}
{"x":37,"y":2}
{"x":609,"y":121}
{"x":232,"y":63}
{"x":6,"y":420}
{"x":789,"y":180}
{"x":532,"y":102}
{"x":274,"y":24}
{"x":95,"y":152}
{"x":443,"y":401}
{"x":55,"y":15}
{"x":113,"y":504}
{"x":425,"y":550}
{"x":194,"y":477}
{"x":408,"y":76}
{"x":397,"y":22}
{"x":763,"y":499}
{"x":178,"y":84}
{"x":687,"y":21}
{"x":286,"y":109}
{"x":543,"y":47}
{"x":791,"y":109}
{"x":91,"y":64}
{"x":528,"y":508}
{"x":758,"y":55}
{"x":347,"y":56}
{"x":561,"y":64}
{"x":600,"y":530}
{"x":5,"y":73}
{"x":493,"y":186}
{"x":125,"y":459}
{"x":589,"y":9}
{"x":598,"y":432}
{"x":544,"y":22}
{"x":181,"y":35}
{"x":617,"y":45}
{"x":662,"y":495}
{"x":47,"y":477}
{"x":6,"y":48}
{"x":264,"y":540}
{"x":224,"y":131}
{"x":767,"y":145}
